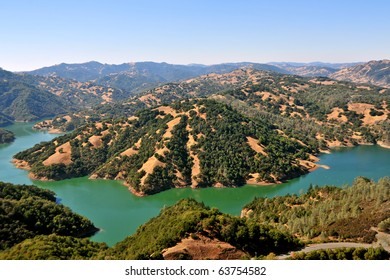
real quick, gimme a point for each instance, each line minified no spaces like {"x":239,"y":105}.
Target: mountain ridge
{"x":136,"y":77}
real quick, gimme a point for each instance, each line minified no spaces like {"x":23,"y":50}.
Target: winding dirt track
{"x":321,"y":246}
{"x":383,"y":239}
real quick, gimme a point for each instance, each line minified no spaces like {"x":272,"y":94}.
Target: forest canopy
{"x":27,"y":211}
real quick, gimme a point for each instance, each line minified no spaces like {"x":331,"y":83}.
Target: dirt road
{"x":324,"y":246}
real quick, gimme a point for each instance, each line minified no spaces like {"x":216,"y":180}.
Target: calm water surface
{"x":118,"y":213}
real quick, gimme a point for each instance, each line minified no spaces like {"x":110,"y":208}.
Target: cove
{"x":118,"y":213}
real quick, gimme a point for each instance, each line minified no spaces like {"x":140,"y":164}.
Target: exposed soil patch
{"x":196,"y":163}
{"x":171,"y":124}
{"x":337,"y":114}
{"x":254,"y":144}
{"x":253,"y":180}
{"x":62,"y":155}
{"x":149,"y":166}
{"x":202,"y":248}
{"x":133,"y":150}
{"x":22,"y":164}
{"x":167,"y":110}
{"x":363,"y":108}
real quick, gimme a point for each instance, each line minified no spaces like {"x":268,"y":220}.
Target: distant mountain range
{"x":139,"y":76}
{"x":373,"y":72}
{"x":336,"y":66}
{"x":308,"y":70}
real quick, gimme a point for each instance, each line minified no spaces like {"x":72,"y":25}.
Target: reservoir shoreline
{"x":118,"y":213}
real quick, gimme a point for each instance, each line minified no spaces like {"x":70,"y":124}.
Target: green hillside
{"x":328,"y":213}
{"x":20,"y":101}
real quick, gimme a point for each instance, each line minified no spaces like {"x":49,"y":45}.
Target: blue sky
{"x":39,"y":33}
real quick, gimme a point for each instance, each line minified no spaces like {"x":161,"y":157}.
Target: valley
{"x":271,"y":125}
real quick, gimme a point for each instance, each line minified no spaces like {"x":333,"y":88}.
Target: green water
{"x":118,"y":213}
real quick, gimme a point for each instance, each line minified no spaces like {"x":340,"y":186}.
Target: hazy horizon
{"x":43,"y":33}
{"x":187,"y":64}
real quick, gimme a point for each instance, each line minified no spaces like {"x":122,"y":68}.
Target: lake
{"x":118,"y":213}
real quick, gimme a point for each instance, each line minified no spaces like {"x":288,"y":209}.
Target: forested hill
{"x":316,"y":110}
{"x":198,"y":143}
{"x":27,"y":212}
{"x":190,"y":230}
{"x":299,"y":115}
{"x":6,"y":136}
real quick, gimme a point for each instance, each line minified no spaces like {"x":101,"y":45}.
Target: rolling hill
{"x":26,"y":97}
{"x":81,"y":94}
{"x":190,"y":230}
{"x":201,"y":86}
{"x":197,"y":143}
{"x":314,"y":110}
{"x":320,"y":64}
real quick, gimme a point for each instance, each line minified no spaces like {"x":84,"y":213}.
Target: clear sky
{"x":37,"y":33}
